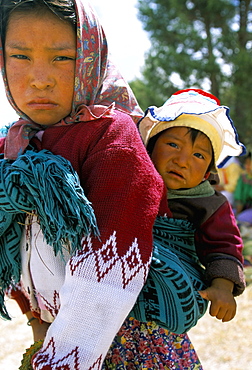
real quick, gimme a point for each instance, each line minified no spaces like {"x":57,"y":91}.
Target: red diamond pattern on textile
{"x":46,"y":361}
{"x":131,"y":263}
{"x":106,"y":257}
{"x":81,"y":255}
{"x":86,"y":244}
{"x":53,"y":309}
{"x":97,"y":364}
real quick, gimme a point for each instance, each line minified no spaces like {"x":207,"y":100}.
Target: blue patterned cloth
{"x":170,"y":296}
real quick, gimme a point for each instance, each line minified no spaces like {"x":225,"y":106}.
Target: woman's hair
{"x":193,"y":135}
{"x":64,"y":9}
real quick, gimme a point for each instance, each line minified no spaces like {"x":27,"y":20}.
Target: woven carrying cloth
{"x":170,"y":296}
{"x":47,"y":185}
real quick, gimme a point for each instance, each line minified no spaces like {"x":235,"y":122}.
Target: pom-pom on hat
{"x":200,"y":110}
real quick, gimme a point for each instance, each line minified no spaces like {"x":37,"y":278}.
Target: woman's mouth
{"x":42,"y":104}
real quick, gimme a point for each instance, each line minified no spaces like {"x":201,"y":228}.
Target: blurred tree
{"x":148,"y":93}
{"x":199,"y":43}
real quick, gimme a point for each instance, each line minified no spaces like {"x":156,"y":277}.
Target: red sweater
{"x":125,"y":190}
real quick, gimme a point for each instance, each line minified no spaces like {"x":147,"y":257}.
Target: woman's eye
{"x":19,"y":56}
{"x":63,"y":58}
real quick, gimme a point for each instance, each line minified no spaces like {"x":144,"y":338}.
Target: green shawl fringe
{"x":46,"y":184}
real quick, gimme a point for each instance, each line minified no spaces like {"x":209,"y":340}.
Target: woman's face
{"x":40,"y":57}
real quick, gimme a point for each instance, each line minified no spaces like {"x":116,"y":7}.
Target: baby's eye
{"x":173,"y":145}
{"x":199,"y":155}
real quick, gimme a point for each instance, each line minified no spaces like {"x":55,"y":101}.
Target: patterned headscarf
{"x":99,"y":87}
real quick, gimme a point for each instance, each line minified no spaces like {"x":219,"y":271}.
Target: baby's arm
{"x":222,"y":256}
{"x":219,"y":246}
{"x":220,"y":294}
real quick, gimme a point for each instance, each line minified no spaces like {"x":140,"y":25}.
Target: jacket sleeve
{"x":219,"y":246}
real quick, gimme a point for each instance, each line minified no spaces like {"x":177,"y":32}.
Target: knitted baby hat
{"x":200,"y":110}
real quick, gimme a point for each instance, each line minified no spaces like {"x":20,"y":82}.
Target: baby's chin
{"x":171,"y":185}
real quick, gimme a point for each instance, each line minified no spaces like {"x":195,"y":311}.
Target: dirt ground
{"x":220,"y":346}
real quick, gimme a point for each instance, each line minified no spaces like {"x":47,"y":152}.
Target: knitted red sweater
{"x":125,"y":190}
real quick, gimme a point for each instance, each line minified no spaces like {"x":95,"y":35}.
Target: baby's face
{"x":182,"y":163}
{"x":40,"y":64}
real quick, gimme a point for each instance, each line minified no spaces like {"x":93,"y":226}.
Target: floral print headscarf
{"x":99,"y":87}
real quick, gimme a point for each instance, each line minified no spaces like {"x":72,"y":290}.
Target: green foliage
{"x":199,"y":43}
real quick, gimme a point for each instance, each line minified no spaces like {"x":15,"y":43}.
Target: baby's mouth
{"x":177,"y":174}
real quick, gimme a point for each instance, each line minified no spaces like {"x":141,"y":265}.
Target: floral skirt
{"x":146,"y":346}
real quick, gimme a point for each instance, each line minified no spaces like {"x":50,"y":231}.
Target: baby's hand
{"x":223,"y":304}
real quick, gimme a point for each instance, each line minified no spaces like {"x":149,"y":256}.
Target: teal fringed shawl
{"x":46,"y":184}
{"x":170,"y":295}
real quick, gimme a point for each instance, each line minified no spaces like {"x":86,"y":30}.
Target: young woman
{"x":72,"y":103}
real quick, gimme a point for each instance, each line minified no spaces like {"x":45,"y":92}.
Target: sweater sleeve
{"x":103,"y":280}
{"x":219,"y":246}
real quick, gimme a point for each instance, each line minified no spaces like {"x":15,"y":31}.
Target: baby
{"x":202,"y":259}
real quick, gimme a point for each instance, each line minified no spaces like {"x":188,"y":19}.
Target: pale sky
{"x":126,"y":39}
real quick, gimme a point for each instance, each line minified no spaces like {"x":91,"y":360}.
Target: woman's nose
{"x":41,"y":78}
